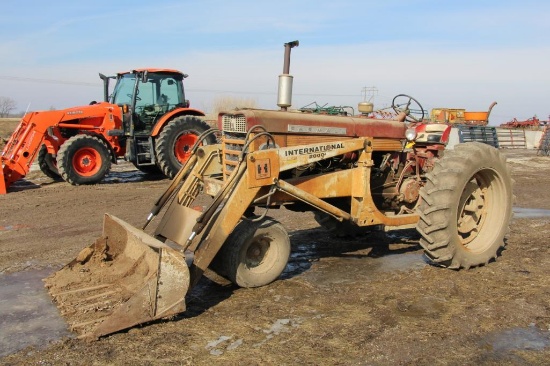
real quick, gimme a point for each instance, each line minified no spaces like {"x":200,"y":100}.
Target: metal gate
{"x":485,"y":134}
{"x":511,"y":138}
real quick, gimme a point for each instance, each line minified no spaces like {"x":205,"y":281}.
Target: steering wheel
{"x":402,"y":103}
{"x":137,"y":93}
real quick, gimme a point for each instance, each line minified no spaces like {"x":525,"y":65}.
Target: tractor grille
{"x":233,"y":144}
{"x":234,"y":123}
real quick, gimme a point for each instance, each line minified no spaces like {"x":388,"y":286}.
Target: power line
{"x":48,"y":81}
{"x":82,"y":83}
{"x":268,"y":93}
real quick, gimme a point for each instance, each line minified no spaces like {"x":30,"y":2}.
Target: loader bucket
{"x":125,"y":278}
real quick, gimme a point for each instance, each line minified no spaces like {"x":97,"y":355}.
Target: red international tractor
{"x":145,"y":120}
{"x":350,"y":172}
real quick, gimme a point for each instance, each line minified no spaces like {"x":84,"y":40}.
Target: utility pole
{"x":369,"y":92}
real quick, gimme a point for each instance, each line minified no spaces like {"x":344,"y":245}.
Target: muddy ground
{"x":368,"y":300}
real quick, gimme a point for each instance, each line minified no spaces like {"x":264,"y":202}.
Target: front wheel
{"x":255,"y":253}
{"x":175,"y":141}
{"x":466,"y":207}
{"x":83,"y":159}
{"x":47,"y":163}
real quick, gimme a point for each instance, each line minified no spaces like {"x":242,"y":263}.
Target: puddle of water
{"x":402,"y":262}
{"x":27,"y":315}
{"x":350,"y":270}
{"x":530,"y":213}
{"x":530,"y":338}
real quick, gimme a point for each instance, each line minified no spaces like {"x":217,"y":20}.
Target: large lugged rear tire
{"x":47,"y":163}
{"x":83,"y":159}
{"x":255,"y":254}
{"x":175,"y":141}
{"x":466,"y":207}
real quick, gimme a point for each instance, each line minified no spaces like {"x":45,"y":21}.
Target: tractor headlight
{"x":410,"y":134}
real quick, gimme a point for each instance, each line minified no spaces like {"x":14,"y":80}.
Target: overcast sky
{"x":453,"y":54}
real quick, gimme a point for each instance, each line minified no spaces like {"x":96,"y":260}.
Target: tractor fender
{"x":171,"y":115}
{"x":110,"y":146}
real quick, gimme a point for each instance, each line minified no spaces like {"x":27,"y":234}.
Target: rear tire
{"x":83,"y":159}
{"x":48,"y":164}
{"x":255,"y":253}
{"x":466,"y":207}
{"x":175,"y":141}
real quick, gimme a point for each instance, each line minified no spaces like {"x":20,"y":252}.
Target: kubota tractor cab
{"x":146,"y":120}
{"x":150,"y":99}
{"x":149,"y":96}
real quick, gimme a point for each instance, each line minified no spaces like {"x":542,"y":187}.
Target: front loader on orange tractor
{"x":146,"y":120}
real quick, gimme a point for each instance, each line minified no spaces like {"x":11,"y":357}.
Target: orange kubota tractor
{"x":146,"y":120}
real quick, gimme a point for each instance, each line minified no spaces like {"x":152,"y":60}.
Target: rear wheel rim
{"x":475,"y":205}
{"x":183,"y":145}
{"x":87,"y":162}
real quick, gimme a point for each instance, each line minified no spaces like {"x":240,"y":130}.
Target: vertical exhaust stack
{"x":284,"y":95}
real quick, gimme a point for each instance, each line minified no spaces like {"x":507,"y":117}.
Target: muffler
{"x":125,"y":278}
{"x":284,"y":94}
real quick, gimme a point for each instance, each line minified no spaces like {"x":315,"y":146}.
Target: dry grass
{"x":226,"y":103}
{"x":7,"y":126}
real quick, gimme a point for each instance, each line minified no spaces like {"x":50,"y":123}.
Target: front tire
{"x":466,"y":207}
{"x":255,"y":253}
{"x":83,"y":159}
{"x":47,"y":163}
{"x":175,"y":141}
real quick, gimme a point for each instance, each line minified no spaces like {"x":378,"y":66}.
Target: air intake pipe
{"x":284,"y":95}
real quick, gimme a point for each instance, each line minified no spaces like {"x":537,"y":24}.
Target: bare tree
{"x":6,"y":106}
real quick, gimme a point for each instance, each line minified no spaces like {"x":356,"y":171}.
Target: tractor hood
{"x":310,"y":124}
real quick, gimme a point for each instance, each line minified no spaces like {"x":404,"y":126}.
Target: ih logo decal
{"x":263,"y":168}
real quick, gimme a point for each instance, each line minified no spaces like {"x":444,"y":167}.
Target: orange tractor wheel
{"x":175,"y":141}
{"x":48,"y":163}
{"x":83,"y":159}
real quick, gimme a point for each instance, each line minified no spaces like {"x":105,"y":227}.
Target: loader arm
{"x":204,"y":234}
{"x":23,"y":145}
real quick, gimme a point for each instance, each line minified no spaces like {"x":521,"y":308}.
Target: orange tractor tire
{"x":174,"y":143}
{"x":48,"y":163}
{"x":83,"y":159}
